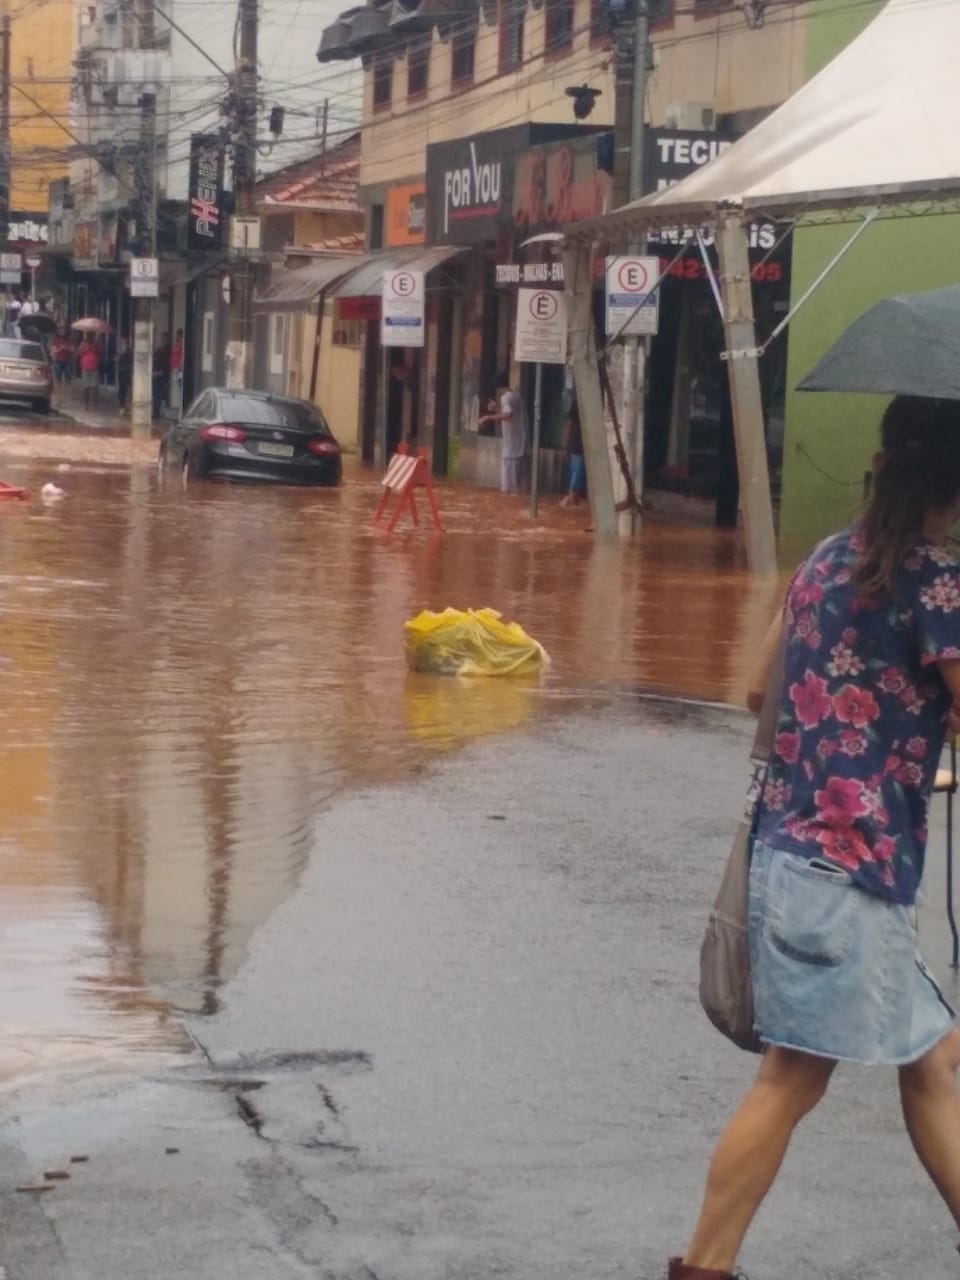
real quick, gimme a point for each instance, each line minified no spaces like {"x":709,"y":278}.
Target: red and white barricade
{"x":407,"y":473}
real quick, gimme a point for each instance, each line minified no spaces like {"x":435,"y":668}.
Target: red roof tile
{"x":325,"y":183}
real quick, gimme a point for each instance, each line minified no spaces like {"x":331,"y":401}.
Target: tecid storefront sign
{"x":402,"y":310}
{"x":633,"y":297}
{"x":541,"y":332}
{"x":671,"y":156}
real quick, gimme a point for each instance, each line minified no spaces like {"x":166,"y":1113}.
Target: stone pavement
{"x":469,"y":1046}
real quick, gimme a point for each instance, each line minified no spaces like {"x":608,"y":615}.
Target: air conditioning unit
{"x":700,"y":116}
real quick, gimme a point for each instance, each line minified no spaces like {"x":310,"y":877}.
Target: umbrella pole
{"x":743,"y":370}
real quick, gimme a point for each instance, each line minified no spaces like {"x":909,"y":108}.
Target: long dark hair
{"x":918,"y":473}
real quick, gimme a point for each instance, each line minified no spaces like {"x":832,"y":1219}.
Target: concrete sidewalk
{"x":469,"y":1046}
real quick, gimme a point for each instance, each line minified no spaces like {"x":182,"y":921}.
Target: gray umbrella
{"x":902,"y":346}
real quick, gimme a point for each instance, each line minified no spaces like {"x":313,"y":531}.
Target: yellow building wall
{"x":41,"y":64}
{"x":716,"y":60}
{"x":338,"y":379}
{"x":311,"y":228}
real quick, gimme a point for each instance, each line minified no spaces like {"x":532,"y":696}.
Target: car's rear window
{"x":13,"y":350}
{"x":292,"y":414}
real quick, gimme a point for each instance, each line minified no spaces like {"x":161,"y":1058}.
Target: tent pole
{"x":583,"y":358}
{"x":744,"y":373}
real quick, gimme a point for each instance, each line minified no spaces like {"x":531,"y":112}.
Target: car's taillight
{"x":221,"y":431}
{"x":43,"y":371}
{"x":323,"y":448}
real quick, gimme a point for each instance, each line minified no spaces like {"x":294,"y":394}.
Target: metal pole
{"x":245,"y":122}
{"x":535,"y":459}
{"x":577,"y":263}
{"x":380,"y":458}
{"x":638,"y":366}
{"x":742,"y":367}
{"x":141,"y":391}
{"x":6,"y":165}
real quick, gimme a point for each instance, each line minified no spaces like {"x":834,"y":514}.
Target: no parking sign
{"x":541,"y":335}
{"x":402,"y":309}
{"x":633,"y":298}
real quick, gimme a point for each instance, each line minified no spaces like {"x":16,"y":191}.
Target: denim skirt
{"x":836,"y":971}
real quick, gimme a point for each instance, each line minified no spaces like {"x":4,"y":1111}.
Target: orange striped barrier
{"x":406,"y":473}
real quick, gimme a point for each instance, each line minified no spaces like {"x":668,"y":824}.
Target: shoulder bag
{"x":726,"y":981}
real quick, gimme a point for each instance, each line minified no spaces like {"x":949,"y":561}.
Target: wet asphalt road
{"x":468,"y":1046}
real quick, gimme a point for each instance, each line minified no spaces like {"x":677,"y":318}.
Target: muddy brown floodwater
{"x":188,"y":678}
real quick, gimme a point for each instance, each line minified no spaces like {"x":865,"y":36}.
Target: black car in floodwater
{"x":252,"y":435}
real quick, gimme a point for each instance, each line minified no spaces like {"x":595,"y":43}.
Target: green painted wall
{"x":830,"y":439}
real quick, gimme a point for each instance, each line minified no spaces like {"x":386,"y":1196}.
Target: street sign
{"x":245,"y":234}
{"x":34,"y":263}
{"x":541,"y":333}
{"x":402,"y":312}
{"x":633,"y":300}
{"x":144,"y":278}
{"x":11,"y":268}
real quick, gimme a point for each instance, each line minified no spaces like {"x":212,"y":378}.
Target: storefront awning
{"x":366,"y":278}
{"x":298,"y":290}
{"x":355,"y":32}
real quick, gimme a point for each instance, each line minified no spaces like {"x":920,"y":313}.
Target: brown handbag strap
{"x":767,"y":720}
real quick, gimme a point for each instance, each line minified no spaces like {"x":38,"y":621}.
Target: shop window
{"x":382,"y":81}
{"x":559,"y":28}
{"x":463,"y":56}
{"x":349,"y":333}
{"x":512,"y":14}
{"x":661,"y":11}
{"x":375,"y":227}
{"x":418,"y":70}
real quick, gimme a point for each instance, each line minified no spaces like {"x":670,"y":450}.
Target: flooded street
{"x":189,"y":676}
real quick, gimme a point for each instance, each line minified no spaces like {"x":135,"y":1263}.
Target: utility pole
{"x":637,"y":383}
{"x":240,"y":347}
{"x":6,"y":149}
{"x":141,"y":390}
{"x":627,"y":358}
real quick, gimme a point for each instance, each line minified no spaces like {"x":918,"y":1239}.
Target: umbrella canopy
{"x":907,"y":346}
{"x":92,"y":324}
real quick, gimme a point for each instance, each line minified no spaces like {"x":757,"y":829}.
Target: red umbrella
{"x":92,"y":324}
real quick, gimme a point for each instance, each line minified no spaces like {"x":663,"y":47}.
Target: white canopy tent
{"x":875,"y":128}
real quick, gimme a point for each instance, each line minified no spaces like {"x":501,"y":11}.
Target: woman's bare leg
{"x":751,"y":1150}
{"x":931,"y":1110}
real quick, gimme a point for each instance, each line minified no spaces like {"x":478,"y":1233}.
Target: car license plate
{"x":275,"y":450}
{"x":12,"y":371}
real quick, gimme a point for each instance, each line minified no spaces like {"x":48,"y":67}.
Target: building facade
{"x":474,"y":140}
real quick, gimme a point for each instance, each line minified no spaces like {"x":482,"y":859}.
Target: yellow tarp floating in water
{"x":472,"y":642}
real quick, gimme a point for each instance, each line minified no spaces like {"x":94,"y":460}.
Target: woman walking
{"x":872,"y":668}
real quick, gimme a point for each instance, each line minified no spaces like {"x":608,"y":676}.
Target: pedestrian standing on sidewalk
{"x":573,"y":444}
{"x":871,"y":627}
{"x":161,"y":374}
{"x":124,"y":373}
{"x":509,"y":412}
{"x":176,"y":374}
{"x":61,"y":353}
{"x":88,"y":359}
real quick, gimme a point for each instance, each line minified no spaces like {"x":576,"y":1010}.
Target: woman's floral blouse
{"x":862,"y":715}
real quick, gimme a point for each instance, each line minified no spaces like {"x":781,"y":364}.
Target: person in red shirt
{"x":88,"y":358}
{"x":61,"y":353}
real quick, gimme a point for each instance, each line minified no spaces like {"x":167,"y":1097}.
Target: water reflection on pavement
{"x":187,"y":678}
